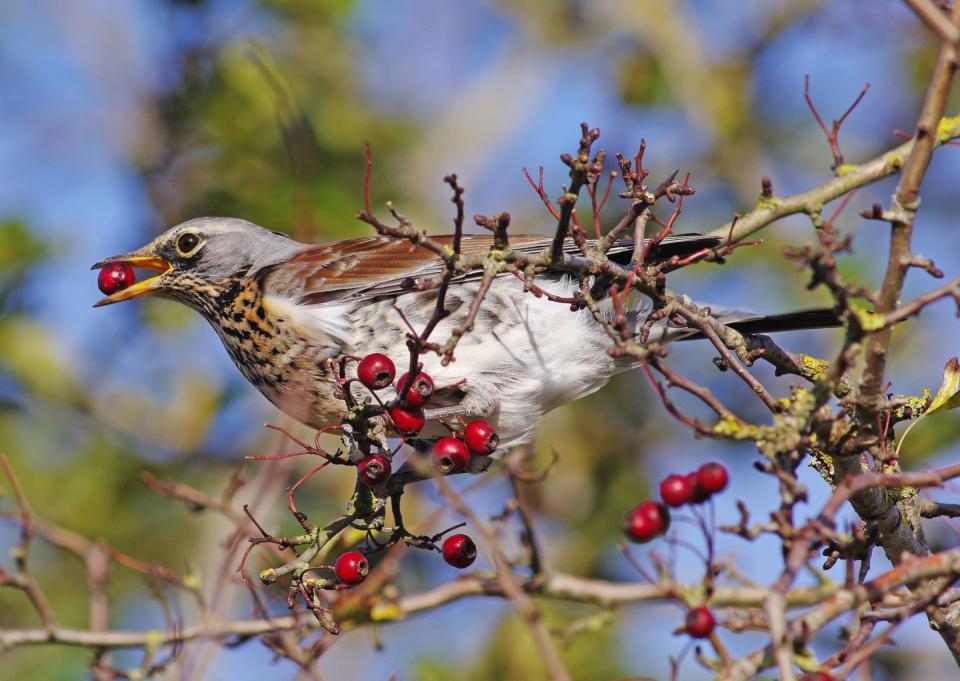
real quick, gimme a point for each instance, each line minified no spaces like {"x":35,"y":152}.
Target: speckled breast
{"x":284,"y":366}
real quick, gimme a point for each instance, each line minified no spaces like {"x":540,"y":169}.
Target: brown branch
{"x":512,"y":587}
{"x":810,"y":201}
{"x":906,"y":200}
{"x":916,"y":571}
{"x":898,"y":537}
{"x":580,"y":173}
{"x":529,"y":537}
{"x":937,"y":509}
{"x":194,"y":498}
{"x":833,"y":134}
{"x":541,"y":192}
{"x":846,"y":490}
{"x":918,"y":304}
{"x":556,"y":586}
{"x":936,"y":20}
{"x":705,"y":327}
{"x":22,"y":579}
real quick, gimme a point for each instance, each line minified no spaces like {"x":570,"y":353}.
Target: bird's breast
{"x":284,"y":361}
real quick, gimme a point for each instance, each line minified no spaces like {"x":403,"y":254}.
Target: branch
{"x":582,"y":169}
{"x":512,"y":587}
{"x":904,"y":206}
{"x":935,"y":20}
{"x":908,"y":573}
{"x":557,"y":586}
{"x":853,"y":177}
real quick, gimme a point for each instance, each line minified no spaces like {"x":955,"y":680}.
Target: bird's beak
{"x":145,"y":258}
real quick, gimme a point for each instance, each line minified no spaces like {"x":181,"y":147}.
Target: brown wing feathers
{"x":371,"y":266}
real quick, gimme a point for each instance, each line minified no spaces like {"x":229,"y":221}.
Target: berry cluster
{"x":696,"y":487}
{"x":449,"y":454}
{"x":651,"y":519}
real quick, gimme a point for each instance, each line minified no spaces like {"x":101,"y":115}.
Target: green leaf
{"x":947,"y":397}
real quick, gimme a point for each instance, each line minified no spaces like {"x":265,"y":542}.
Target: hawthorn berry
{"x":481,"y":438}
{"x":647,"y":521}
{"x":459,"y":551}
{"x":712,"y":478}
{"x":115,"y":277}
{"x":376,"y":371}
{"x":700,"y":622}
{"x":408,"y":421}
{"x":373,"y":470}
{"x":419,"y":391}
{"x":677,"y":490}
{"x":351,"y":567}
{"x":699,"y":494}
{"x":450,"y":455}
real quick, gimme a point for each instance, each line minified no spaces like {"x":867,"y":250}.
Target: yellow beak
{"x":143,"y":259}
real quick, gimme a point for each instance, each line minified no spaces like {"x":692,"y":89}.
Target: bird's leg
{"x":399,"y":531}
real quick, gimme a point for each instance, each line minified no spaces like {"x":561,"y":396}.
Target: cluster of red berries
{"x":450,"y":454}
{"x":115,"y":277}
{"x":376,"y":371}
{"x":651,"y":519}
{"x":696,"y":487}
{"x":648,"y":520}
{"x":352,"y":567}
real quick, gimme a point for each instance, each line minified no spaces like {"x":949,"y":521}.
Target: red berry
{"x":419,"y":391}
{"x":700,"y":622}
{"x":677,"y":490}
{"x":351,"y":567}
{"x":115,"y":277}
{"x":407,"y":421}
{"x":373,"y":470}
{"x":376,"y":371}
{"x":459,"y":551}
{"x":817,"y":676}
{"x":699,"y":494}
{"x":480,"y":437}
{"x":712,"y":478}
{"x":647,"y":521}
{"x":450,"y":455}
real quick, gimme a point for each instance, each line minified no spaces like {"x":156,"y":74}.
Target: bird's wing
{"x":371,"y":267}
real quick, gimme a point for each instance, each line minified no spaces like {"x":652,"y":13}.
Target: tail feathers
{"x":818,"y":318}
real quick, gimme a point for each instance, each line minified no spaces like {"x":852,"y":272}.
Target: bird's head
{"x":199,"y":259}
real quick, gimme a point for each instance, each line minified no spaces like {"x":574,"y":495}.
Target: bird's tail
{"x":817,"y":318}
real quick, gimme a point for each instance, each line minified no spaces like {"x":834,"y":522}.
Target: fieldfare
{"x":282,"y":308}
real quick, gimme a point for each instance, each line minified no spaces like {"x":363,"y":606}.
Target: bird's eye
{"x":187,"y":243}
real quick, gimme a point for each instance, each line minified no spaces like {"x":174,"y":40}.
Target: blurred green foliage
{"x":270,"y":128}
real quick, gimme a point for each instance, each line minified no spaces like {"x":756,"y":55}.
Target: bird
{"x":283,"y":308}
